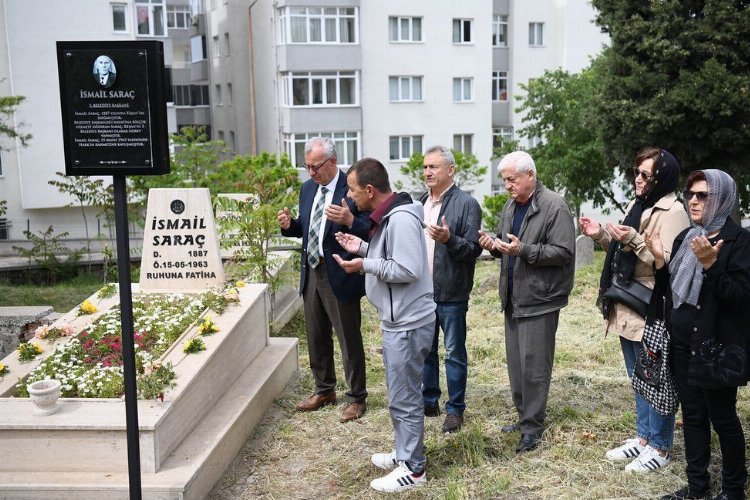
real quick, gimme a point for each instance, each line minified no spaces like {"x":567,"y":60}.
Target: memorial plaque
{"x":180,"y":243}
{"x":113,"y":107}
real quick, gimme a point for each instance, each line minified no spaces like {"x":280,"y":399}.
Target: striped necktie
{"x":313,"y":240}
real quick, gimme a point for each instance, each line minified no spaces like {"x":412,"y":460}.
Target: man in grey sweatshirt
{"x":398,"y":283}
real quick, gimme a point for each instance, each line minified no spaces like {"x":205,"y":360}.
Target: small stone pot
{"x":44,"y":394}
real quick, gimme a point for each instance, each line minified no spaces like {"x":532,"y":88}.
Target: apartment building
{"x":385,"y":78}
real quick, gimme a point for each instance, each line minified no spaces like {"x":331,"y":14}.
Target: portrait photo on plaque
{"x":105,"y":72}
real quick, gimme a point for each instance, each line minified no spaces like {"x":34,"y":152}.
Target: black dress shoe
{"x":685,"y":494}
{"x":528,"y":442}
{"x":432,"y":411}
{"x":515,"y":426}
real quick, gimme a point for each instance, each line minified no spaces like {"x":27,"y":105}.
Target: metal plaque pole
{"x":128,"y":349}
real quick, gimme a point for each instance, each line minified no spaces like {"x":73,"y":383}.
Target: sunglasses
{"x":701,"y":195}
{"x":645,"y":176}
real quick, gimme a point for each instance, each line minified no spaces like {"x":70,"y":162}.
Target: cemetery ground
{"x":311,"y":455}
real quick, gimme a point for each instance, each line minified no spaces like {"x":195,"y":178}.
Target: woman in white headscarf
{"x":707,"y":288}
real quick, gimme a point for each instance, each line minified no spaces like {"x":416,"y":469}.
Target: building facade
{"x":383,"y":78}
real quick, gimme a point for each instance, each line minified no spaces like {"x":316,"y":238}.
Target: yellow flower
{"x":87,"y":307}
{"x":38,"y":348}
{"x":239,"y":284}
{"x":3,"y":369}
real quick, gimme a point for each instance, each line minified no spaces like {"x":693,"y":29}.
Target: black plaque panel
{"x":113,"y":107}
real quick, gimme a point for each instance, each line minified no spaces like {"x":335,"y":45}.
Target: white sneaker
{"x":385,"y":461}
{"x":628,"y":451}
{"x":400,"y":479}
{"x":648,"y":461}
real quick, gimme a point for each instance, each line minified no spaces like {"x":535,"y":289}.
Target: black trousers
{"x":702,"y":408}
{"x":324,"y":313}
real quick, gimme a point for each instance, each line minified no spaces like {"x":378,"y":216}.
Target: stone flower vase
{"x":44,"y":394}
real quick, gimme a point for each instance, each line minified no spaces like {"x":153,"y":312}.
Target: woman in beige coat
{"x":655,"y":207}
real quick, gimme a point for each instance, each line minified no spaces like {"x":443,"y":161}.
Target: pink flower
{"x":66,"y":330}
{"x":41,"y":332}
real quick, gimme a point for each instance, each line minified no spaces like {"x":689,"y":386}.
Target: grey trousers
{"x":403,"y":356}
{"x":324,"y":312}
{"x":530,"y":349}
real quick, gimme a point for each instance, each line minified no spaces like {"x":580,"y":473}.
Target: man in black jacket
{"x":453,"y":218}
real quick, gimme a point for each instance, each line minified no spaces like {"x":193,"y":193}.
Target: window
{"x":536,"y":34}
{"x":217,"y":94}
{"x":199,"y":95}
{"x":119,"y":17}
{"x":534,"y":141}
{"x":215,"y":46}
{"x":462,"y":30}
{"x":4,"y":226}
{"x":226,"y":44}
{"x":181,"y":94}
{"x":221,"y":135}
{"x":499,"y":85}
{"x":232,"y":144}
{"x":318,"y":24}
{"x":462,"y":89}
{"x":230,"y":97}
{"x":403,"y":146}
{"x":197,"y":7}
{"x":1,"y":166}
{"x":462,"y":142}
{"x":405,"y":88}
{"x":347,"y":146}
{"x":197,"y":48}
{"x":500,"y":31}
{"x":405,"y":29}
{"x":501,"y":136}
{"x":335,"y":88}
{"x":178,"y":16}
{"x":150,"y":17}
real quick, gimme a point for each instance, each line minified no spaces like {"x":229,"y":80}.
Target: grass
{"x":62,"y":296}
{"x":590,"y":409}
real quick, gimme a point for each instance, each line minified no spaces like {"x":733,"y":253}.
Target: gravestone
{"x":180,"y":243}
{"x":584,"y":251}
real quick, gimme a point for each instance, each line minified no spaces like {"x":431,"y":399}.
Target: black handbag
{"x":632,"y":294}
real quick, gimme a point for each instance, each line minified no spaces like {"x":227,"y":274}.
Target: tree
{"x":571,"y":158}
{"x":677,"y":76}
{"x":87,"y":192}
{"x":196,"y":157}
{"x":468,"y":172}
{"x":8,"y":105}
{"x":273,"y":183}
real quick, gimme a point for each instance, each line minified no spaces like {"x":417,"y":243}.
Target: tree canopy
{"x":8,"y":105}
{"x":676,"y":75}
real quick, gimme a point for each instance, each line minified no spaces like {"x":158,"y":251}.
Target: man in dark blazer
{"x":331,"y":296}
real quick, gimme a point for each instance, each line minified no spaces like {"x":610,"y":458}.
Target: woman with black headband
{"x":655,"y":207}
{"x":707,"y":289}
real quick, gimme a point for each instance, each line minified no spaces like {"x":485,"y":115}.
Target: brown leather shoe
{"x":317,"y":401}
{"x":353,"y":411}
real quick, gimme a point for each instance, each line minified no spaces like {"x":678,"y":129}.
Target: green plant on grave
{"x":193,"y":345}
{"x":28,"y":351}
{"x":251,"y":226}
{"x":45,"y":251}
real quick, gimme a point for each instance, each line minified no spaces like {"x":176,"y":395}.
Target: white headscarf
{"x":685,"y":270}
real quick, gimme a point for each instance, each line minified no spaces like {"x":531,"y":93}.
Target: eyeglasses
{"x":637,"y":172}
{"x":701,"y":195}
{"x":315,"y":168}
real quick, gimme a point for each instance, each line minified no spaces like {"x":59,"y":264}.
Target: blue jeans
{"x":451,"y":317}
{"x":651,"y":425}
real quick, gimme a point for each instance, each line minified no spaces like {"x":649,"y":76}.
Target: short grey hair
{"x":329,"y":147}
{"x":444,"y":153}
{"x":522,"y":161}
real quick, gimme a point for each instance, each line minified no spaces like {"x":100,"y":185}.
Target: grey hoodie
{"x":398,"y":280}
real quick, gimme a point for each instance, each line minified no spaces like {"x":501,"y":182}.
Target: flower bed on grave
{"x":89,"y":365}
